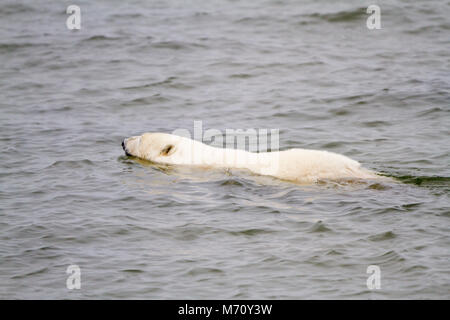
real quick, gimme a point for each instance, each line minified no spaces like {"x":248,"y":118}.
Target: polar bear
{"x":299,"y":165}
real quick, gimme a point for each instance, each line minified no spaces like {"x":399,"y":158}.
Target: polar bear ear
{"x":167,"y":150}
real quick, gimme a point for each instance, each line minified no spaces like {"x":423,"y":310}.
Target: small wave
{"x":250,"y":232}
{"x":425,"y":29}
{"x":331,"y":145}
{"x":378,"y":186}
{"x":432,"y":110}
{"x":241,"y":76}
{"x":175,"y":45}
{"x":388,"y":257}
{"x":132,"y":271}
{"x":319,"y":226}
{"x":231,"y":182}
{"x":11,"y":47}
{"x":424,"y":180}
{"x":376,"y":123}
{"x":9,"y":9}
{"x":415,"y":268}
{"x":333,"y":252}
{"x":100,"y":38}
{"x":133,"y":16}
{"x":260,"y":20}
{"x":356,"y":99}
{"x":31,"y":273}
{"x":340,"y":112}
{"x":203,"y":271}
{"x":71,"y":163}
{"x":156,"y":98}
{"x":342,"y":16}
{"x":388,"y":235}
{"x":168,"y":83}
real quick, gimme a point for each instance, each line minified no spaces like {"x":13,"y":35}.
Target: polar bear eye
{"x":166,"y":150}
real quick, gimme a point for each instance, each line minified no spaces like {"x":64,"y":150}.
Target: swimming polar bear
{"x":299,"y":165}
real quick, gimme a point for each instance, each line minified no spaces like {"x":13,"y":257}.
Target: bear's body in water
{"x":300,"y":165}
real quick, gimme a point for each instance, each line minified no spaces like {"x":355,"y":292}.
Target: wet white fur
{"x":299,"y":165}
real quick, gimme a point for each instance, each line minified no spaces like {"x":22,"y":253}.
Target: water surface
{"x":310,"y":69}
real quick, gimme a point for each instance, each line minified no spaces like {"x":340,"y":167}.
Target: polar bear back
{"x":312,"y":165}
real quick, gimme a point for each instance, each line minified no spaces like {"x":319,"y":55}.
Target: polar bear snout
{"x":131,"y":146}
{"x":124,"y":147}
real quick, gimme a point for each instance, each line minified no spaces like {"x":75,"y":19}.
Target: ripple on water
{"x":390,"y":257}
{"x":71,"y":164}
{"x":388,"y":235}
{"x":320,"y":227}
{"x":342,"y":16}
{"x":141,"y":230}
{"x":251,"y":232}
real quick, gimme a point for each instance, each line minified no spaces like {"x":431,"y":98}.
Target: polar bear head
{"x":169,"y":149}
{"x":157,"y":147}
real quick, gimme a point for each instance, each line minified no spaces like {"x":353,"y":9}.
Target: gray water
{"x":312,"y":69}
